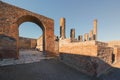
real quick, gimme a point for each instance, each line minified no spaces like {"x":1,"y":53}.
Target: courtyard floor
{"x":33,"y":66}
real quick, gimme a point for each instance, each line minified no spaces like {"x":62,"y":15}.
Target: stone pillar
{"x":95,"y":30}
{"x":72,"y":34}
{"x":62,"y":28}
{"x":86,"y":37}
{"x":91,"y":35}
{"x":80,"y":38}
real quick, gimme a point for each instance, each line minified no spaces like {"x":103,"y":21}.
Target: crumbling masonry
{"x":85,"y":54}
{"x":89,"y":55}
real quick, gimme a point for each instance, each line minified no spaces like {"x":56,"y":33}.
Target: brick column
{"x":72,"y":34}
{"x":80,"y":38}
{"x":95,"y":30}
{"x":91,"y":35}
{"x":86,"y":37}
{"x":62,"y":28}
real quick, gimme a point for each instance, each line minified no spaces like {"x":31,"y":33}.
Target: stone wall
{"x":90,"y":57}
{"x":27,"y":43}
{"x":114,"y":43}
{"x":105,"y":53}
{"x":6,"y":51}
{"x":40,"y":43}
{"x":116,"y":52}
{"x":84,"y":48}
{"x":89,"y":65}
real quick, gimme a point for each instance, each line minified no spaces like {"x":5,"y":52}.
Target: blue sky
{"x":79,"y":14}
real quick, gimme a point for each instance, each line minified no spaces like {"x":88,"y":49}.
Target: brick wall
{"x":11,"y":17}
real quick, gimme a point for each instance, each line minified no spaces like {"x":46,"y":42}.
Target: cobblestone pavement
{"x":26,"y":56}
{"x":38,"y":68}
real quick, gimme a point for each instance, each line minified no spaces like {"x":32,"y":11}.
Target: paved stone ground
{"x":38,"y":68}
{"x":50,"y":69}
{"x":32,"y":65}
{"x":26,"y":56}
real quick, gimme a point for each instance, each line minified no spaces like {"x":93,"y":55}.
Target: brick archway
{"x":29,"y":18}
{"x":12,"y":17}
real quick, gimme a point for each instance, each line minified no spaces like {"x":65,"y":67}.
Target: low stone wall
{"x":92,"y":66}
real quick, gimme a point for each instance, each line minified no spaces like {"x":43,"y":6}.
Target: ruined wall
{"x":6,"y":51}
{"x":90,"y":57}
{"x":27,"y":43}
{"x":10,"y":19}
{"x":116,"y":54}
{"x":84,"y":48}
{"x":114,"y":43}
{"x":40,"y":43}
{"x":86,"y":64}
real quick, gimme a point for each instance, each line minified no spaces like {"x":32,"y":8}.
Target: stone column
{"x":72,"y":34}
{"x":91,"y":35}
{"x":62,"y":28}
{"x":80,"y":38}
{"x":95,"y":30}
{"x":86,"y":37}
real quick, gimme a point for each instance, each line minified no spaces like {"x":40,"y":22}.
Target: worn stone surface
{"x":89,"y":65}
{"x":26,"y":56}
{"x":48,"y":69}
{"x":11,"y":17}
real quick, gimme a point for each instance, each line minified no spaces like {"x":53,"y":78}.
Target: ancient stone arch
{"x":10,"y":19}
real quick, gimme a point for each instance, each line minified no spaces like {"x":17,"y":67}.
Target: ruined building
{"x":85,"y":54}
{"x":10,"y":19}
{"x":89,"y":55}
